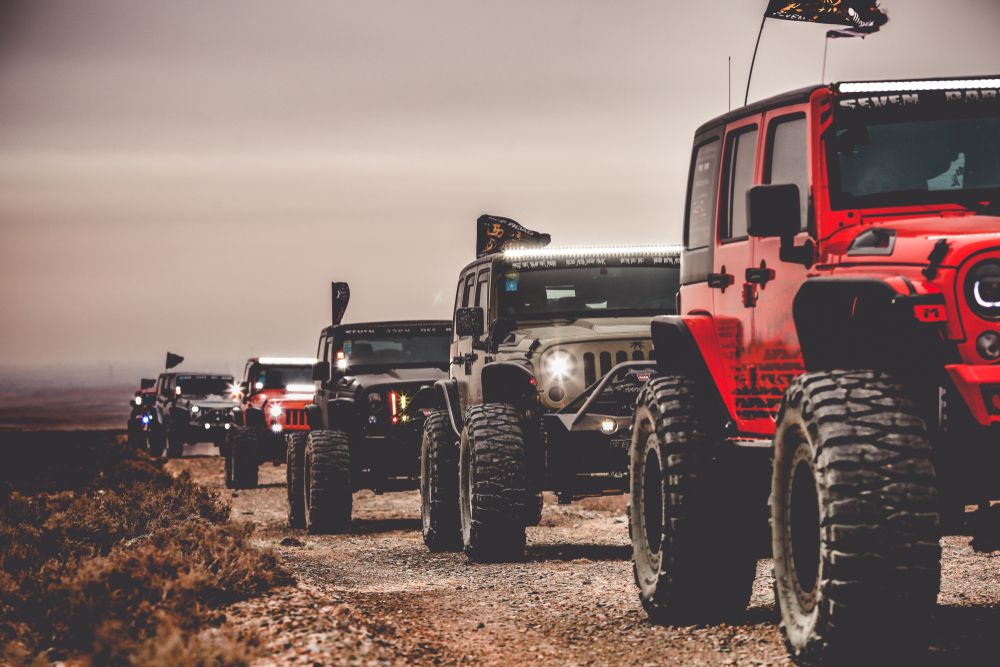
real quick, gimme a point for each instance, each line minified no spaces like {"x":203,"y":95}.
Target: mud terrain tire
{"x":175,"y":444}
{"x":136,"y":434}
{"x":244,"y":455}
{"x":493,"y":481}
{"x":860,"y":584}
{"x":439,"y":513}
{"x":533,"y":509}
{"x":692,"y":560}
{"x":156,"y":442}
{"x":327,"y":490}
{"x":294,"y":470}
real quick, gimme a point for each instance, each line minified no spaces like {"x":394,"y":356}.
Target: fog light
{"x":557,"y":394}
{"x":608,"y":426}
{"x":988,"y":345}
{"x":195,"y":409}
{"x":275,"y":410}
{"x":208,"y":426}
{"x":226,"y":426}
{"x":276,"y":428}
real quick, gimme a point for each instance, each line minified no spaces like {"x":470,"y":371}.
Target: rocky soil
{"x":377,"y":596}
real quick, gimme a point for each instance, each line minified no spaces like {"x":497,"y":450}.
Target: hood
{"x":397,"y":376}
{"x":913,"y":239}
{"x":582,"y":330}
{"x":209,"y":403}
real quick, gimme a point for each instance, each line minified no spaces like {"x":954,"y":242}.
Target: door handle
{"x":721,"y":280}
{"x":761,"y":276}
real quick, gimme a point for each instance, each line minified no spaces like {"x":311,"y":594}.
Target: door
{"x":786,"y":159}
{"x":462,"y":354}
{"x":734,"y":298}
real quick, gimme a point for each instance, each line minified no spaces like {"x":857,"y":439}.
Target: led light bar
{"x":301,"y":388}
{"x":287,"y":361}
{"x":298,"y":397}
{"x":916,"y":86}
{"x":607,"y":251}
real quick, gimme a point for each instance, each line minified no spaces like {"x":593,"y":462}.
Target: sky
{"x":191,"y":175}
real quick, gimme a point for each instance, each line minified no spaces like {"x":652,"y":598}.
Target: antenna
{"x":753,"y":60}
{"x":826,"y":47}
{"x":729,"y":88}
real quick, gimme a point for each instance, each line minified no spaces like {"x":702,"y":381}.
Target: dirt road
{"x":386,"y":599}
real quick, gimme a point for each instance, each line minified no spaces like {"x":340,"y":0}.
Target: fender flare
{"x":508,"y":382}
{"x":342,"y":414}
{"x":254,"y":418}
{"x":689,"y":346}
{"x":865,"y":322}
{"x":314,"y":417}
{"x":447,"y":400}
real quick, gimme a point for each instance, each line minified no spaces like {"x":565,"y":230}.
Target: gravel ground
{"x":377,"y":596}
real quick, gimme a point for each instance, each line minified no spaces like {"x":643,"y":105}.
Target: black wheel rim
{"x":652,"y":501}
{"x":466,"y":481}
{"x":804,"y":531}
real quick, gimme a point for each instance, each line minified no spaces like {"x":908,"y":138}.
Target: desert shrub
{"x":98,"y":562}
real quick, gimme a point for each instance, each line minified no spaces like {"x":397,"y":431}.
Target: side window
{"x":741,"y":151}
{"x":482,"y":289}
{"x":470,"y":281}
{"x":702,"y":195}
{"x":787,"y":158}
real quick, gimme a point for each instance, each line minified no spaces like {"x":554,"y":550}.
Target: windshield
{"x":191,"y":386}
{"x":914,"y":161}
{"x":397,"y":350}
{"x":570,"y":292}
{"x":279,"y":377}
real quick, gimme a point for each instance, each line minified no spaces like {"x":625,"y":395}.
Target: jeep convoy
{"x":814,"y":376}
{"x":273,"y":395}
{"x":542,"y":398}
{"x":839,"y":310}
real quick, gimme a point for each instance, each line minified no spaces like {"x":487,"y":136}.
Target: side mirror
{"x":773,"y":211}
{"x":146,"y":383}
{"x":321,"y":371}
{"x":500,"y":328}
{"x":469,"y":322}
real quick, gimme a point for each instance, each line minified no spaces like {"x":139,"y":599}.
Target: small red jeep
{"x":273,"y":393}
{"x":837,"y":350}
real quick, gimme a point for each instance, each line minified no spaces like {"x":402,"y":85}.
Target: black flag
{"x":860,"y":17}
{"x":495,"y":233}
{"x":173,"y":359}
{"x":341,"y":296}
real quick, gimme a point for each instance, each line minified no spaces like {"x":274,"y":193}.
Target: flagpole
{"x":826,"y":47}
{"x":753,"y":60}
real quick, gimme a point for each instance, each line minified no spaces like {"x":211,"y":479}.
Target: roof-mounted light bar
{"x":916,"y":86}
{"x":607,"y":251}
{"x":286,"y":361}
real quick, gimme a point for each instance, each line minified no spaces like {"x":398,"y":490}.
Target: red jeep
{"x":274,"y":393}
{"x":837,"y":350}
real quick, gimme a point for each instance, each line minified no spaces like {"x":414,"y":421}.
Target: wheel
{"x":156,"y":442}
{"x":533,"y":509}
{"x":136,"y":434}
{"x":691,"y":556}
{"x":861,"y":582}
{"x":492,"y":483}
{"x":296,"y":451}
{"x":439,"y":512}
{"x":244,"y":457}
{"x":175,"y":441}
{"x":327,"y":491}
{"x":227,"y":456}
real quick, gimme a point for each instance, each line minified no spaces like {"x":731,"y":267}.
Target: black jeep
{"x":190,"y":407}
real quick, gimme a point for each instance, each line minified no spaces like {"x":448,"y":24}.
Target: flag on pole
{"x":173,"y":359}
{"x":859,"y":17}
{"x":495,"y":233}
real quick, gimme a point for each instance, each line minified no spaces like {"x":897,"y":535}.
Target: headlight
{"x":982,"y":289}
{"x":138,"y":400}
{"x":195,"y":409}
{"x":558,"y":366}
{"x":274,"y":411}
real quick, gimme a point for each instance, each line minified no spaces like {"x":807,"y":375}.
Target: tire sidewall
{"x":465,"y":481}
{"x":645,"y":442}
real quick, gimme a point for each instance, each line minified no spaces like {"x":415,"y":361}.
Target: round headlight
{"x":558,"y":366}
{"x":275,"y":411}
{"x":988,"y":345}
{"x":195,"y":409}
{"x":982,"y":289}
{"x":375,"y":401}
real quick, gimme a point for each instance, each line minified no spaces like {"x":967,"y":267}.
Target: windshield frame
{"x":897,"y":109}
{"x":658,"y":262}
{"x":380,"y":332}
{"x":227,"y":379}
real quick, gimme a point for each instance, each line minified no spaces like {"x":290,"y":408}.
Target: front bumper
{"x":979,"y":386}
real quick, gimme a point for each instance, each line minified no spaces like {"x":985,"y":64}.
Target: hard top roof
{"x":282,"y":361}
{"x":178,"y":373}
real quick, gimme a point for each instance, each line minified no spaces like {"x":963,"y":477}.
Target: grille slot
{"x":637,"y":355}
{"x":589,"y":369}
{"x":605,"y":363}
{"x":295,"y":417}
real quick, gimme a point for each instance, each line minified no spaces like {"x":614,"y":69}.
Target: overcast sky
{"x":192,"y":175}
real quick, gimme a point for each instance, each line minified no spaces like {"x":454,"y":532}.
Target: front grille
{"x":607,"y":362}
{"x":295,"y":417}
